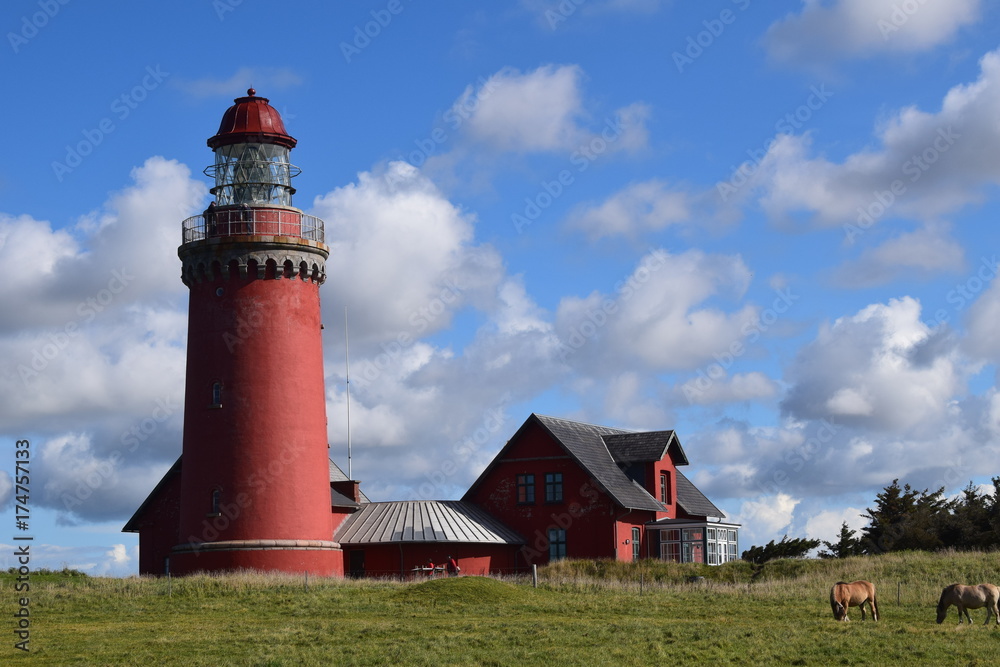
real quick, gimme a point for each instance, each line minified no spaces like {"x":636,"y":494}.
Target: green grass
{"x":582,"y":613}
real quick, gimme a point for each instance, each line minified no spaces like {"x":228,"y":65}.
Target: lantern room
{"x":252,"y":166}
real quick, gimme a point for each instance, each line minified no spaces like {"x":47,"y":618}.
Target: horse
{"x":969,"y":597}
{"x":855,"y":594}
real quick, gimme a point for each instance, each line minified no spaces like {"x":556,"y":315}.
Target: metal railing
{"x":252,"y":221}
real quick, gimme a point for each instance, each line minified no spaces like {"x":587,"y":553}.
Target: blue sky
{"x":769,"y":226}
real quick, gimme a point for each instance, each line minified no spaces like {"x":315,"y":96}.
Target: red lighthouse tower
{"x":254,"y":484}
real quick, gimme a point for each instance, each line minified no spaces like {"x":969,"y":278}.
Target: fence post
{"x":640,"y":582}
{"x":534,"y":576}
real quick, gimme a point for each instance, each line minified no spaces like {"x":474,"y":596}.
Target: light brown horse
{"x":969,"y":597}
{"x":855,"y":594}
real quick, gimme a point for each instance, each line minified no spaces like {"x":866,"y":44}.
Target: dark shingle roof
{"x":585,"y":443}
{"x":644,"y":447}
{"x":693,"y":501}
{"x":424,"y":521}
{"x":337,"y":475}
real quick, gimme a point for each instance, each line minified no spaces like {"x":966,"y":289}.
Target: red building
{"x":576,"y":490}
{"x":255,"y":488}
{"x":251,"y":489}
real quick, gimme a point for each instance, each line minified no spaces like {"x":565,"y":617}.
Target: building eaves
{"x":452,"y":521}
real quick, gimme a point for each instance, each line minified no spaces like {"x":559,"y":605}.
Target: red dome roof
{"x":251,"y":120}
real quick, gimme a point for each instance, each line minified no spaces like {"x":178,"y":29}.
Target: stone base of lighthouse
{"x":320,"y":558}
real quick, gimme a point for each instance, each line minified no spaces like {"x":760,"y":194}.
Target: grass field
{"x":582,"y":613}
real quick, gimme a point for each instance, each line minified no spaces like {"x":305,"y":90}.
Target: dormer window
{"x":665,"y":488}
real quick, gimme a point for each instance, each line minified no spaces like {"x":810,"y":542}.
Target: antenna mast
{"x":347,"y":355}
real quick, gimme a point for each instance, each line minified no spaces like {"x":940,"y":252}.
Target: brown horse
{"x":855,"y":594}
{"x":969,"y":597}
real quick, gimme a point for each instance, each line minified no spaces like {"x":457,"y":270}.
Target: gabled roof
{"x":132,"y":526}
{"x":336,"y":499}
{"x":423,"y":521}
{"x":585,"y":443}
{"x":693,"y":501}
{"x":337,"y":475}
{"x":645,"y":447}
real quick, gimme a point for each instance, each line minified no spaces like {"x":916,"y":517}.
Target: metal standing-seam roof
{"x":424,"y":521}
{"x":585,"y":443}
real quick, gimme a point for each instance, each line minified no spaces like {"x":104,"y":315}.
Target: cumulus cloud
{"x":656,"y":314}
{"x":740,"y":387}
{"x":926,"y":165}
{"x":860,"y":28}
{"x":915,"y":255}
{"x":638,"y":208}
{"x":542,"y":110}
{"x":873,"y":369}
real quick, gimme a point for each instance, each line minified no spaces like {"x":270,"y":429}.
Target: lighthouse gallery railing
{"x":254,"y":222}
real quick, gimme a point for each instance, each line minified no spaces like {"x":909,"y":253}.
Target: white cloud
{"x":740,"y":387}
{"x":926,"y":165}
{"x":263,"y":79}
{"x":541,"y":111}
{"x":638,"y":208}
{"x":917,"y":254}
{"x":655,"y":315}
{"x":825,"y":525}
{"x":860,"y":28}
{"x":767,"y":515}
{"x":882,"y":368}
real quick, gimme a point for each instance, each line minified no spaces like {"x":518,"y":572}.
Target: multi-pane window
{"x":670,"y":545}
{"x":636,"y":539}
{"x":557,"y":543}
{"x":714,"y":546}
{"x":553,"y":487}
{"x":525,"y":489}
{"x":216,"y":499}
{"x":665,"y":488}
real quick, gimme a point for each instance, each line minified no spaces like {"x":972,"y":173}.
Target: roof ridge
{"x":624,"y":431}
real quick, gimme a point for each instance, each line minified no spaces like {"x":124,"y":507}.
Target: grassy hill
{"x":582,"y":613}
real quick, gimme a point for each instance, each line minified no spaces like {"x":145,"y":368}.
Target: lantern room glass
{"x":252,"y":174}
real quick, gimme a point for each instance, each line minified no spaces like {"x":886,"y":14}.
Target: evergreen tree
{"x":786,"y":548}
{"x":846,"y":545}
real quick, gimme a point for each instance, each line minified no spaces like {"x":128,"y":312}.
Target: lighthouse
{"x":252,"y":488}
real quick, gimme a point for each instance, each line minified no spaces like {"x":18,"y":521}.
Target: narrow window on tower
{"x":217,"y":395}
{"x":213,"y":509}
